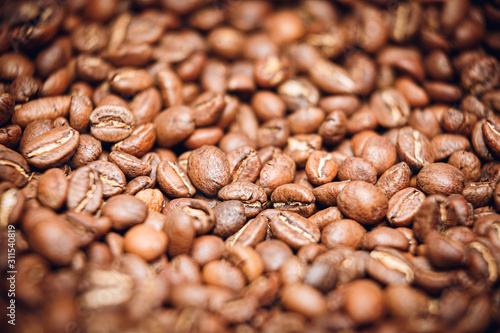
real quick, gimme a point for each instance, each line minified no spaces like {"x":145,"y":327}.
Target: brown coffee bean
{"x":295,"y":198}
{"x":251,"y":234}
{"x":467,"y":163}
{"x":362,"y":202}
{"x":254,"y":199}
{"x":322,"y":218}
{"x":207,"y":248}
{"x":356,"y":168}
{"x":244,"y":164}
{"x":111,"y":123}
{"x":153,"y":198}
{"x":294,"y":229}
{"x":414,"y":148}
{"x":406,"y":59}
{"x":479,"y":194}
{"x":491,"y":133}
{"x":54,"y":240}
{"x":379,"y":152}
{"x":293,"y":296}
{"x":384,"y":236}
{"x":223,"y":274}
{"x":274,"y":253}
{"x":52,"y":148}
{"x":440,"y":178}
{"x":394,"y":179}
{"x":405,"y":302}
{"x":140,"y":141}
{"x":146,"y":105}
{"x":42,"y":108}
{"x":326,"y":195}
{"x":112,"y":178}
{"x":444,"y":253}
{"x":84,"y":190}
{"x":204,"y":136}
{"x":208,"y":169}
{"x":24,"y":88}
{"x":444,"y":145}
{"x":274,"y":132}
{"x":389,"y":266}
{"x":298,"y":93}
{"x":10,"y":136}
{"x":14,"y":65}
{"x":130,"y":165}
{"x":479,"y":143}
{"x":434,"y":214}
{"x":129,"y":81}
{"x":343,"y":232}
{"x":208,"y":108}
{"x":480,"y":76}
{"x":247,"y":259}
{"x":332,"y":78}
{"x":284,"y":26}
{"x":269,"y":71}
{"x":391,"y":108}
{"x":145,"y":241}
{"x":173,"y":181}
{"x":125,"y":211}
{"x":52,"y":189}
{"x":174,"y":125}
{"x":403,"y":206}
{"x":278,"y":171}
{"x":229,"y":218}
{"x":320,"y":168}
{"x":364,"y":301}
{"x":300,"y":147}
{"x":91,"y":68}
{"x":180,"y":232}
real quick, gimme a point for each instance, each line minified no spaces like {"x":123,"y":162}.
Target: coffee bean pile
{"x":250,"y":166}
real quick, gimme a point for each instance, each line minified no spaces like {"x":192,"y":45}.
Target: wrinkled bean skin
{"x":250,"y":166}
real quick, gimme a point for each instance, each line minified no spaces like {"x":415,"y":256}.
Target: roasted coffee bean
{"x":277,"y":171}
{"x":208,"y":169}
{"x":180,"y":232}
{"x":364,"y":301}
{"x":298,"y":93}
{"x":391,"y":108}
{"x":326,"y":195}
{"x":403,"y":206}
{"x":394,"y":179}
{"x":293,"y":297}
{"x":379,"y":152}
{"x":294,"y":229}
{"x":294,"y":198}
{"x":52,"y":148}
{"x":440,"y":178}
{"x":174,"y":125}
{"x":252,"y":196}
{"x":140,"y":141}
{"x":52,"y":189}
{"x":85,"y":190}
{"x":384,"y":236}
{"x":479,"y":194}
{"x":124,"y":211}
{"x":320,"y":168}
{"x":251,"y":234}
{"x":42,"y":108}
{"x":444,"y":145}
{"x":468,"y":163}
{"x":244,"y":164}
{"x":13,"y":167}
{"x":6,"y":107}
{"x":343,"y":232}
{"x":247,"y":259}
{"x":274,"y":253}
{"x":414,"y":148}
{"x":433,"y":214}
{"x":112,"y":178}
{"x":229,"y":218}
{"x":145,"y":241}
{"x":491,"y":134}
{"x":207,"y":248}
{"x":362,"y":202}
{"x":389,"y":266}
{"x":111,"y":123}
{"x":356,"y":168}
{"x":12,"y":202}
{"x":130,"y":165}
{"x":173,"y":181}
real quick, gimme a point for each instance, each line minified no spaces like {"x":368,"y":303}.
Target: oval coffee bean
{"x":111,"y":123}
{"x":294,"y":229}
{"x":208,"y":169}
{"x":363,"y":202}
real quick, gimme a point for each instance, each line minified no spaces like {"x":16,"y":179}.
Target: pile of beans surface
{"x":249,"y":166}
